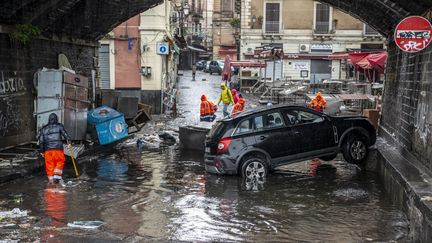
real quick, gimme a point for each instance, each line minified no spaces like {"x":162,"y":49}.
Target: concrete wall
{"x":17,"y":67}
{"x":407,"y":109}
{"x":152,"y":28}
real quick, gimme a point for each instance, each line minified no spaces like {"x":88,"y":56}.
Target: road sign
{"x":162,"y":48}
{"x":413,"y":34}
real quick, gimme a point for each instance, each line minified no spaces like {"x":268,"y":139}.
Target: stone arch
{"x":84,"y":19}
{"x":382,"y":15}
{"x":92,"y":19}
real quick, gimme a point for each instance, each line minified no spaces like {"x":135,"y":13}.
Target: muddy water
{"x":166,"y":195}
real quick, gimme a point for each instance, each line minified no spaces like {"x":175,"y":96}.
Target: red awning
{"x":378,"y":61}
{"x":357,"y":57}
{"x":367,"y":61}
{"x":248,"y":64}
{"x":363,"y":64}
{"x":338,"y":56}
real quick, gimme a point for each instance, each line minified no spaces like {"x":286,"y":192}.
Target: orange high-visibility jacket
{"x":206,"y":107}
{"x":318,"y":103}
{"x":239,"y":107}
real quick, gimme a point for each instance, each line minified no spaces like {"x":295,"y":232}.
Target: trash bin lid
{"x":102,"y":114}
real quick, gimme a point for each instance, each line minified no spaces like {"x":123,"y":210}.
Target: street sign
{"x":413,"y":34}
{"x":162,"y":48}
{"x":304,"y":73}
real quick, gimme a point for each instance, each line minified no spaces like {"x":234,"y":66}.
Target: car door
{"x":243,"y":136}
{"x":269,"y":134}
{"x":312,"y":130}
{"x":213,"y":65}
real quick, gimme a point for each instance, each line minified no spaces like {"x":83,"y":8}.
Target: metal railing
{"x":370,"y":31}
{"x":322,"y":27}
{"x":272,"y":27}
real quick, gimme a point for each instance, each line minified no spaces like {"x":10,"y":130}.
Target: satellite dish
{"x":63,"y":61}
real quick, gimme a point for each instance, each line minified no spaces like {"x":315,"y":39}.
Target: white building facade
{"x":308,"y":32}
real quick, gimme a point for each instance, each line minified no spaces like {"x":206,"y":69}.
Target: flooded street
{"x":164,"y":194}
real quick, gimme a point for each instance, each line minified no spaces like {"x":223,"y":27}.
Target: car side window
{"x":244,"y":127}
{"x":270,"y":120}
{"x":296,"y":117}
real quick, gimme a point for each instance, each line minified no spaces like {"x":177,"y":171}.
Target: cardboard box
{"x":373,"y":115}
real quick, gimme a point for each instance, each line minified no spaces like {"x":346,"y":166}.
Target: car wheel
{"x":254,"y":168}
{"x":210,"y":73}
{"x":328,"y":157}
{"x":355,"y":149}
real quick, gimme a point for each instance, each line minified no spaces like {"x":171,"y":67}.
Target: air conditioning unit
{"x":304,"y":48}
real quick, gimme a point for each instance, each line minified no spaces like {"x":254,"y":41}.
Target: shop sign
{"x":321,"y":47}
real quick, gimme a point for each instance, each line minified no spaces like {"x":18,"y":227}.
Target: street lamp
{"x":186,"y":9}
{"x":253,"y":19}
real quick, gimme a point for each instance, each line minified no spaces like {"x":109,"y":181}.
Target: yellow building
{"x":308,"y":32}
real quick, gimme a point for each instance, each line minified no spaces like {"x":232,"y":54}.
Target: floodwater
{"x":164,"y":194}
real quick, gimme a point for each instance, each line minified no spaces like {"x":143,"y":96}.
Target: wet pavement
{"x":164,"y":194}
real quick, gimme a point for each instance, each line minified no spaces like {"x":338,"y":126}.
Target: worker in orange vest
{"x":51,"y":148}
{"x":239,"y":107}
{"x":318,"y":103}
{"x":207,"y":110}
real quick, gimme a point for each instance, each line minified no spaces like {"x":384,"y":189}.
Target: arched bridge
{"x":84,"y":19}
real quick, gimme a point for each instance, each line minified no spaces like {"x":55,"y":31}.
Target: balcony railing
{"x":370,"y":31}
{"x":322,"y":27}
{"x":272,"y":27}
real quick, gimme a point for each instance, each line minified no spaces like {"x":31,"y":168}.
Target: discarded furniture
{"x":65,"y":94}
{"x":141,"y":118}
{"x":109,"y":124}
{"x":373,"y":115}
{"x":193,"y":137}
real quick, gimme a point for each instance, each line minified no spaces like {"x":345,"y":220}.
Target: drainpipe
{"x":162,"y":82}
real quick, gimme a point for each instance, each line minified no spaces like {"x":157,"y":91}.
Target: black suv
{"x":255,"y":142}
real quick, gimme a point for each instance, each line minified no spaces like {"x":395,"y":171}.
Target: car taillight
{"x":223,"y":145}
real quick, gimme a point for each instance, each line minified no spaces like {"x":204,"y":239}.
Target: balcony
{"x":227,"y":14}
{"x":369,"y":31}
{"x":322,"y":27}
{"x":272,"y":27}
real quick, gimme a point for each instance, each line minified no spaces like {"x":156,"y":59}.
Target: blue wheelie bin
{"x":109,"y":124}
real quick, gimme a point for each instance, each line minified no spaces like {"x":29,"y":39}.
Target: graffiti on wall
{"x":14,"y":104}
{"x":10,"y":85}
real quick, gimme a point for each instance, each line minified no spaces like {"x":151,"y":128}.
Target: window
{"x":226,"y":6}
{"x":322,"y":18}
{"x":272,"y":19}
{"x":369,"y":30}
{"x":297,"y":117}
{"x":104,"y":64}
{"x":268,"y":121}
{"x":244,"y":127}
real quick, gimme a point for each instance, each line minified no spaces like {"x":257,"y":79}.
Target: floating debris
{"x":351,"y":194}
{"x":426,"y":199}
{"x":14,"y":213}
{"x":86,"y":224}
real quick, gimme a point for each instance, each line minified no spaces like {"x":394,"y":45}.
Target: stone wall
{"x":407,"y":109}
{"x":18,"y":64}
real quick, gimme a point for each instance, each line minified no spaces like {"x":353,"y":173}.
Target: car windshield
{"x":221,"y":63}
